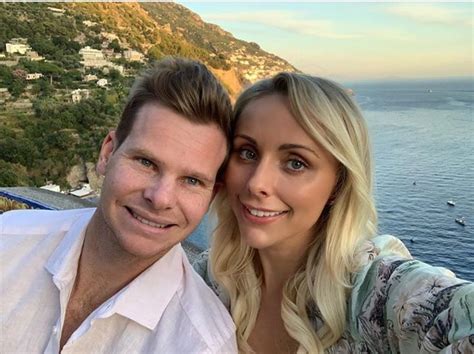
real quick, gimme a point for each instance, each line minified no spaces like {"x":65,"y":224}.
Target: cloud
{"x":287,"y":21}
{"x":434,"y":14}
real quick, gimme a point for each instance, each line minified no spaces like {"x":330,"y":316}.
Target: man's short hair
{"x":184,"y":86}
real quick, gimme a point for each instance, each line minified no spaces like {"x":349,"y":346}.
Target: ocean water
{"x":423,"y":141}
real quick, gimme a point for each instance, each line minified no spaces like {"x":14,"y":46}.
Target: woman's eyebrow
{"x":246,"y":137}
{"x":298,"y":146}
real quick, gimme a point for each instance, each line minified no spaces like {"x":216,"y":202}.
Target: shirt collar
{"x":145,"y":299}
{"x":62,"y":264}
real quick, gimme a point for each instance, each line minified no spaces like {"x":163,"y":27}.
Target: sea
{"x":422,"y":134}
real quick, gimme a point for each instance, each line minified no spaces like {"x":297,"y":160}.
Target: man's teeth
{"x":148,"y":222}
{"x":262,"y":214}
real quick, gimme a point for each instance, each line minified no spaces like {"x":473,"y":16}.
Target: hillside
{"x":65,"y":71}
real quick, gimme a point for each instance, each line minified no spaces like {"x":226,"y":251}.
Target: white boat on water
{"x":461,"y":221}
{"x":451,"y":202}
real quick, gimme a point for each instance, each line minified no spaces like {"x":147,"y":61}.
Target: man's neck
{"x":104,"y":269}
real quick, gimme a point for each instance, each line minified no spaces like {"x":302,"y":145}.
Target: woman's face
{"x":278,"y":178}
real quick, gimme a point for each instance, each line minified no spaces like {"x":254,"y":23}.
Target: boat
{"x":451,"y":202}
{"x":461,"y":221}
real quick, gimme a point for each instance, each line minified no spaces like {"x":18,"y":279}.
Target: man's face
{"x":159,"y":182}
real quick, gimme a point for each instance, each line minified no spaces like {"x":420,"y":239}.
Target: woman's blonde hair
{"x":319,"y":289}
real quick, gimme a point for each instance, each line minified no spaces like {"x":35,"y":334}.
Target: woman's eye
{"x":296,"y":165}
{"x":246,"y":154}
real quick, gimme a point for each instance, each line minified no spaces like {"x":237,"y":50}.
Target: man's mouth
{"x":148,"y":222}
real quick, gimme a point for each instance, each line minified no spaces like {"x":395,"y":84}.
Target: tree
{"x":13,"y":174}
{"x":115,"y":45}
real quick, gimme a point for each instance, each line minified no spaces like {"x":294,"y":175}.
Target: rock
{"x":95,"y":180}
{"x":76,"y":175}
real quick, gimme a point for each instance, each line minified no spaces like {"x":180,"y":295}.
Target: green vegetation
{"x":42,"y":132}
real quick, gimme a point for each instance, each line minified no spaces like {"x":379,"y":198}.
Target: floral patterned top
{"x":397,"y":304}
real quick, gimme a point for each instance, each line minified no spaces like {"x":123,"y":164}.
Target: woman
{"x":294,"y":255}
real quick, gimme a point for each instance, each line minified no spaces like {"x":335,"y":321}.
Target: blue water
{"x":423,"y":132}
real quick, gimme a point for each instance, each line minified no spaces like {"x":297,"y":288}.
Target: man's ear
{"x":107,"y":149}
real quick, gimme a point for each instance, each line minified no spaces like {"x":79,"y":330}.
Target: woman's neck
{"x":279,"y":265}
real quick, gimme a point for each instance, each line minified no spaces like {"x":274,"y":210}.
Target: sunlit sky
{"x":354,"y":41}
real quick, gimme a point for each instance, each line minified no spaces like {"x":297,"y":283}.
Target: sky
{"x":354,"y":40}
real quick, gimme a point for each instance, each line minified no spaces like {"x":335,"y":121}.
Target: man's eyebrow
{"x":144,"y":152}
{"x":298,"y":146}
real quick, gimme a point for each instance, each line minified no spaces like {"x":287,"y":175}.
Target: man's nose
{"x":161,"y":194}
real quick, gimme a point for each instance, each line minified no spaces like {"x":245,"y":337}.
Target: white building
{"x":33,"y":76}
{"x":17,"y":45}
{"x":84,"y":191}
{"x":56,"y":10}
{"x":90,"y":77}
{"x":89,"y":53}
{"x":102,"y":82}
{"x":79,"y":94}
{"x":32,"y":55}
{"x":132,"y":55}
{"x":89,"y":23}
{"x":52,"y":187}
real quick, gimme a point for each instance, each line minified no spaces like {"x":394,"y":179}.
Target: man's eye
{"x":246,"y":154}
{"x":193,"y":181}
{"x":295,"y":165}
{"x":145,"y":162}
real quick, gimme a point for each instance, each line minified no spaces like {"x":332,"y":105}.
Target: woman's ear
{"x":107,"y":149}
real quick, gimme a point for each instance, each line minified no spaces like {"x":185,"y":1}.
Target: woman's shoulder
{"x":202,"y":266}
{"x":385,"y":259}
{"x":398,"y":303}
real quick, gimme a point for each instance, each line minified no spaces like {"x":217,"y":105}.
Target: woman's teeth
{"x":263,"y":214}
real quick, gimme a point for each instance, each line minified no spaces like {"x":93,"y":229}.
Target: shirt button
{"x":55,"y":330}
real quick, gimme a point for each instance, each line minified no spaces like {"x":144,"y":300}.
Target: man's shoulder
{"x":35,"y":222}
{"x":205,"y":311}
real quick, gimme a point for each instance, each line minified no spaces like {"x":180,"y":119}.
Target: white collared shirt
{"x":166,"y":309}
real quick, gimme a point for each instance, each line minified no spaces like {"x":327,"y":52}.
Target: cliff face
{"x":157,"y":29}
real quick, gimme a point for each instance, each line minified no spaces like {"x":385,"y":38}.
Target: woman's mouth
{"x":264,"y":214}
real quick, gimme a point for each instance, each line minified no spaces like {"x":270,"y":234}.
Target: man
{"x":115,"y":279}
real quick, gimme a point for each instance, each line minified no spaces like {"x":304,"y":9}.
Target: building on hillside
{"x":89,"y":77}
{"x":108,"y":53}
{"x":132,"y":55}
{"x":34,"y":76}
{"x":94,"y":58}
{"x":51,"y":187}
{"x":102,"y":82}
{"x":80,"y":94}
{"x":32,"y":55}
{"x":17,"y":45}
{"x":82,"y":192}
{"x":109,"y":36}
{"x":56,"y":11}
{"x":89,"y":23}
{"x":89,"y":54}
